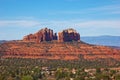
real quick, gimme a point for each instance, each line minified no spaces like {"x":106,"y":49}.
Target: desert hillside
{"x":48,"y":45}
{"x":57,"y":50}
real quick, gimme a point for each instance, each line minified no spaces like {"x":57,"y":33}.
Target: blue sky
{"x":88,"y":17}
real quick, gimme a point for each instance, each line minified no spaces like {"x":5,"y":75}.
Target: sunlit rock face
{"x":42,"y":35}
{"x":68,"y":35}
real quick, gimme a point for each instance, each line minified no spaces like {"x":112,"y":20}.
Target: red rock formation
{"x":68,"y":35}
{"x":48,"y":35}
{"x":57,"y":50}
{"x":42,"y":35}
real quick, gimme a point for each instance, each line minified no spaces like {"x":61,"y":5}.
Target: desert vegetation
{"x":43,"y":69}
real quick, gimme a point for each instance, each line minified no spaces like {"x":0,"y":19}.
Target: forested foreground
{"x":42,"y":69}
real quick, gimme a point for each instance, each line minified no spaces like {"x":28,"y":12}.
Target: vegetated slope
{"x":57,"y":50}
{"x":103,"y":40}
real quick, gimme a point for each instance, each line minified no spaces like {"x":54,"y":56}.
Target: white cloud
{"x":24,"y":23}
{"x":90,"y":23}
{"x":101,"y":23}
{"x":62,"y":24}
{"x":25,"y":17}
{"x":115,"y":12}
{"x":85,"y":27}
{"x":110,"y":9}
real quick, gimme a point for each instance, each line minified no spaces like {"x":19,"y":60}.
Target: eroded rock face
{"x":48,"y":35}
{"x":42,"y":35}
{"x":68,"y":35}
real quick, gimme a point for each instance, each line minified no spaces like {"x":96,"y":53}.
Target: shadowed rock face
{"x":68,"y":35}
{"x":42,"y":35}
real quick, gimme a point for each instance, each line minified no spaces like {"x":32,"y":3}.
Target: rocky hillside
{"x":57,"y":50}
{"x":45,"y":44}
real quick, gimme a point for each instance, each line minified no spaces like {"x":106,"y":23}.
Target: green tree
{"x":60,"y":74}
{"x":28,"y":77}
{"x":98,"y":70}
{"x":102,"y":76}
{"x":117,"y":77}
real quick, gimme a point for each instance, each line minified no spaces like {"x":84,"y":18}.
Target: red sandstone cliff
{"x":42,"y":35}
{"x":48,"y":35}
{"x":68,"y":35}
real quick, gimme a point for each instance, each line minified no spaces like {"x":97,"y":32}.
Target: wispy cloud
{"x":110,"y":9}
{"x":62,"y":24}
{"x":90,"y":23}
{"x":25,"y":17}
{"x":24,"y":23}
{"x":86,"y":28}
{"x":100,"y":23}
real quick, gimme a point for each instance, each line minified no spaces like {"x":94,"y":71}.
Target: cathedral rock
{"x":68,"y":35}
{"x":42,"y":35}
{"x":29,"y":47}
{"x":48,"y":35}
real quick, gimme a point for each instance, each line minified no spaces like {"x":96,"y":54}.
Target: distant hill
{"x":103,"y":40}
{"x":2,"y":41}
